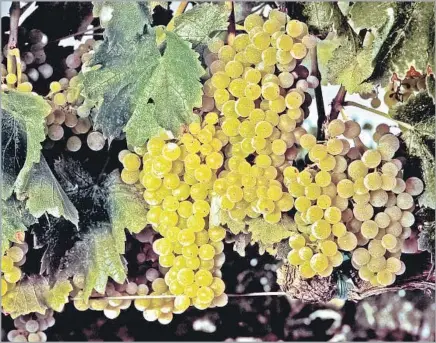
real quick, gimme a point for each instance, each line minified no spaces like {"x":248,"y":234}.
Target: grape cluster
{"x":257,"y":99}
{"x":352,"y":199}
{"x":177,"y":180}
{"x":399,"y":90}
{"x":32,"y":63}
{"x":31,"y":327}
{"x":12,"y":260}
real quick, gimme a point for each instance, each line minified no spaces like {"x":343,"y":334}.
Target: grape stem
{"x":231,"y":30}
{"x":318,"y":95}
{"x":15,"y":13}
{"x":179,"y":11}
{"x":77,"y":34}
{"x":401,"y":124}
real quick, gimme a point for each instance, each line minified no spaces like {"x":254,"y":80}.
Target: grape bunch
{"x":177,"y":180}
{"x":31,"y":327}
{"x":32,"y":63}
{"x":12,"y":260}
{"x":257,"y":99}
{"x":399,"y":90}
{"x":351,"y":200}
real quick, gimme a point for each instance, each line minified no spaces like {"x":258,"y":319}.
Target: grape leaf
{"x":22,"y":133}
{"x":126,"y":208}
{"x":350,"y":67}
{"x":160,"y":96}
{"x":426,"y":238}
{"x":96,"y":257}
{"x":199,"y":23}
{"x":169,"y":96}
{"x":266,"y":235}
{"x":409,"y":41}
{"x":323,"y":16}
{"x":325,"y":49}
{"x":370,"y":15}
{"x":57,"y":296}
{"x":57,"y":235}
{"x":44,"y":194}
{"x":15,"y":218}
{"x":33,"y":294}
{"x":419,"y":111}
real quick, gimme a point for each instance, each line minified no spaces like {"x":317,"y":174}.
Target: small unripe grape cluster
{"x":177,"y":180}
{"x":31,"y":327}
{"x":257,"y":99}
{"x":400,"y":90}
{"x":12,"y":260}
{"x":353,"y":200}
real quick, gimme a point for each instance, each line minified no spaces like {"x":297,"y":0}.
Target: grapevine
{"x":134,"y":186}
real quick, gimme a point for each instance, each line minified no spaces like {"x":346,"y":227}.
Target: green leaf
{"x":199,"y":23}
{"x":168,"y":97}
{"x":266,"y":235}
{"x":325,"y":49}
{"x":419,"y":111}
{"x":123,"y":21}
{"x":15,"y":218}
{"x":34,"y":295}
{"x":96,"y":257}
{"x":44,"y":194}
{"x":323,"y":16}
{"x":409,"y":41}
{"x":57,"y":296}
{"x":126,"y":209}
{"x":350,"y":67}
{"x":370,"y":15}
{"x":430,"y":83}
{"x":22,"y":133}
{"x":161,"y":95}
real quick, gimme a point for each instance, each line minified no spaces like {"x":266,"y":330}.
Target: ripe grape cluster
{"x":31,"y":327}
{"x":352,"y":199}
{"x":257,"y":99}
{"x":177,"y":180}
{"x":12,"y":260}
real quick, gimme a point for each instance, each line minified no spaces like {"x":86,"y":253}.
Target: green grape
{"x":361,"y":256}
{"x":312,"y":191}
{"x":318,"y":152}
{"x":373,"y":181}
{"x":306,"y":270}
{"x":185,"y":276}
{"x":336,"y":260}
{"x":376,"y":248}
{"x":307,"y":141}
{"x":329,"y":248}
{"x":363,"y":212}
{"x":302,"y":204}
{"x":345,"y":189}
{"x":335,"y":146}
{"x":324,"y":201}
{"x":321,"y":229}
{"x":131,"y":162}
{"x":389,"y":241}
{"x":297,"y":241}
{"x":294,"y":257}
{"x":357,"y":169}
{"x":220,"y":80}
{"x":226,"y":53}
{"x":313,"y":214}
{"x":333,"y":215}
{"x":385,"y":277}
{"x":369,"y":229}
{"x":323,"y":178}
{"x":186,"y":237}
{"x":371,"y":158}
{"x":7,"y":263}
{"x":244,"y":106}
{"x":215,"y":44}
{"x":347,"y":242}
{"x":13,"y":275}
{"x":336,"y":128}
{"x":295,"y":28}
{"x":206,"y":252}
{"x":319,"y":262}
{"x":393,"y":265}
{"x":305,"y":253}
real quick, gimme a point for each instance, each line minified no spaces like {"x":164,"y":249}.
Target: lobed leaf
{"x":45,"y":195}
{"x":96,"y":256}
{"x":22,"y":133}
{"x":126,"y":209}
{"x":15,"y":218}
{"x":199,"y":23}
{"x":33,"y":294}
